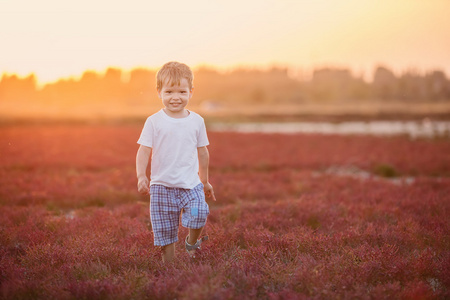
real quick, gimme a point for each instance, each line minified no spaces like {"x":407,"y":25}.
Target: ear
{"x":191,"y":92}
{"x":159,"y":93}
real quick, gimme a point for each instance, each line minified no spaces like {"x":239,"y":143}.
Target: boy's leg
{"x":192,"y":238}
{"x":194,"y":216}
{"x":165,"y":216}
{"x":194,"y":234}
{"x":168,"y":252}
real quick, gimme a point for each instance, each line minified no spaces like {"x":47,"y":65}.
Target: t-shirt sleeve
{"x":146,"y":138}
{"x":202,"y":139}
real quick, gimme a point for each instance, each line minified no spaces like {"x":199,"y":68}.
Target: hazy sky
{"x":58,"y":38}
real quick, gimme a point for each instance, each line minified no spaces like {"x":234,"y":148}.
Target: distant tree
{"x":64,"y":91}
{"x":141,"y":87}
{"x":90,"y":87}
{"x":411,"y":86}
{"x":208,"y":85}
{"x":330,"y":84}
{"x":112,"y":86}
{"x":438,"y":86}
{"x":15,"y":89}
{"x":384,"y":84}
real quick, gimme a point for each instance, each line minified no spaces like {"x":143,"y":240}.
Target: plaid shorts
{"x":167,"y":203}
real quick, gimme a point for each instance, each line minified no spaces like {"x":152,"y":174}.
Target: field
{"x":297,"y":216}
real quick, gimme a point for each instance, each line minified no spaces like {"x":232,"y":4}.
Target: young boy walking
{"x":175,"y":138}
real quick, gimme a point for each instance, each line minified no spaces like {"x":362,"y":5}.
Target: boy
{"x":175,"y":139}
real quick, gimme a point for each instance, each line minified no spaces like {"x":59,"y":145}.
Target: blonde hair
{"x":172,"y":73}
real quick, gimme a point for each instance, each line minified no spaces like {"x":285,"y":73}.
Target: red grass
{"x":286,"y":223}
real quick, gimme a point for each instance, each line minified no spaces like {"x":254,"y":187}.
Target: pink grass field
{"x":297,"y":217}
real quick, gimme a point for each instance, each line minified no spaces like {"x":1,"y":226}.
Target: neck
{"x":177,"y":115}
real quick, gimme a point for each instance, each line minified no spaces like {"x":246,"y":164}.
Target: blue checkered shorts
{"x":166,"y":205}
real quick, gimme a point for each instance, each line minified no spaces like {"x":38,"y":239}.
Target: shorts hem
{"x":193,"y":227}
{"x":162,"y":244}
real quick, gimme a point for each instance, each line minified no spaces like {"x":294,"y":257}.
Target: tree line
{"x":240,"y":86}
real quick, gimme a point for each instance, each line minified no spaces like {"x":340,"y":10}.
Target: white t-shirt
{"x":174,"y":144}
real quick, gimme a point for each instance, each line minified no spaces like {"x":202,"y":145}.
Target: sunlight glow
{"x":58,"y":39}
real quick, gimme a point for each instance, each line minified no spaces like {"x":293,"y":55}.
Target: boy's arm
{"x":203,"y":161}
{"x":142,"y":157}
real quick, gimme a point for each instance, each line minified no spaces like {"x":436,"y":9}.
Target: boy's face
{"x":176,"y":97}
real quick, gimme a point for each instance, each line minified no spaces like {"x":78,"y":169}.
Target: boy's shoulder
{"x":195,"y":115}
{"x":156,"y":114}
{"x":155,"y":117}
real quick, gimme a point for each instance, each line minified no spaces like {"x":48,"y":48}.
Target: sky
{"x":57,"y":38}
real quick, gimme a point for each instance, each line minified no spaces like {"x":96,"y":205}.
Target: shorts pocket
{"x":194,"y":212}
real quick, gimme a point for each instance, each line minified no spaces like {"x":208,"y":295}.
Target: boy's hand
{"x":143,"y":185}
{"x":209,"y":192}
